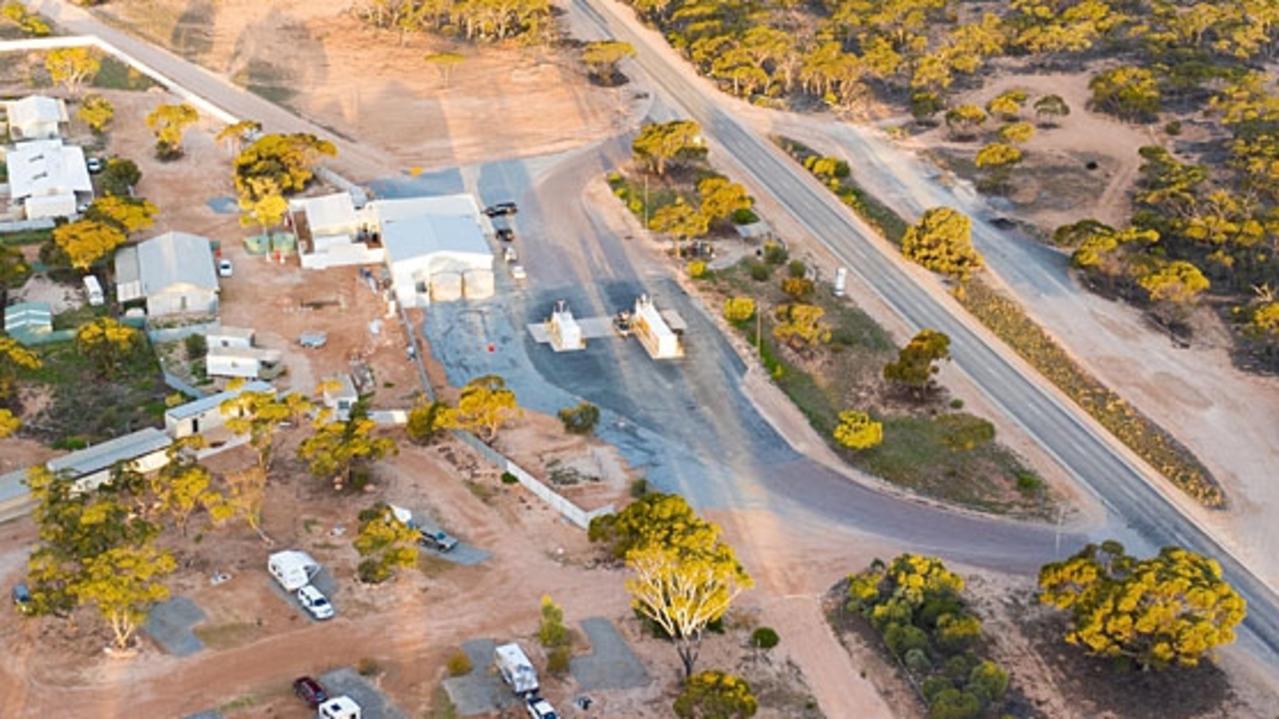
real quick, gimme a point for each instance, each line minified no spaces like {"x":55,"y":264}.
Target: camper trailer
{"x":292,"y":568}
{"x":516,"y":669}
{"x":93,"y":289}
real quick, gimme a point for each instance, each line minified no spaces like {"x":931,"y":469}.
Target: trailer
{"x":516,"y":669}
{"x":564,"y":331}
{"x":653,"y":331}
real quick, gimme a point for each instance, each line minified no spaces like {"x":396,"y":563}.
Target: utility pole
{"x":759,"y":329}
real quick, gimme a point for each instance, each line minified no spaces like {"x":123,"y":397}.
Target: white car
{"x":315,"y":603}
{"x":539,"y":708}
{"x":518,"y":273}
{"x":225,"y":268}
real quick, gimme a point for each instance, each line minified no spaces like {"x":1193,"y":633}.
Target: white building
{"x":654,"y":331}
{"x":47,"y":178}
{"x":144,"y":451}
{"x":437,"y":258}
{"x":332,"y":233}
{"x":174,"y":273}
{"x":243,"y":362}
{"x":340,"y":396}
{"x":204,"y":414}
{"x":222,"y":336}
{"x":35,"y":117}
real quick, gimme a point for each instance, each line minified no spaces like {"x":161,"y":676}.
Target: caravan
{"x":517,"y":671}
{"x":292,"y":568}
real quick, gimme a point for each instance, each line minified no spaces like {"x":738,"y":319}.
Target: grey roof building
{"x":173,"y":272}
{"x":102,"y":457}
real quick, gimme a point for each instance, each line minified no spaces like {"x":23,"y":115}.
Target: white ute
{"x":539,"y":708}
{"x":340,"y":707}
{"x":315,"y":602}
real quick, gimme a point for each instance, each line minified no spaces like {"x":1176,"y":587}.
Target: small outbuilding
{"x":174,"y":273}
{"x":36,"y":117}
{"x":28,"y":321}
{"x":244,"y":362}
{"x":340,"y":396}
{"x":205,"y":414}
{"x":144,"y":450}
{"x":223,"y":336}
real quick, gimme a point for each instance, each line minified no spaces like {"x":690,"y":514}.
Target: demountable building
{"x":204,"y":414}
{"x":245,"y":362}
{"x":47,"y":178}
{"x":653,"y":332}
{"x":144,"y":451}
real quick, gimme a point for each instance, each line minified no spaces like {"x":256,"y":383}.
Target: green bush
{"x":196,"y":346}
{"x":581,"y":418}
{"x":764,"y":638}
{"x":760,"y":271}
{"x":902,"y":638}
{"x":796,"y":268}
{"x":508,"y":478}
{"x":744,"y":216}
{"x":775,"y":254}
{"x":558,"y":660}
{"x":639,"y":488}
{"x":954,"y":704}
{"x":368,"y":667}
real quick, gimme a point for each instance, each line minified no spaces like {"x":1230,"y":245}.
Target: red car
{"x":310,"y":691}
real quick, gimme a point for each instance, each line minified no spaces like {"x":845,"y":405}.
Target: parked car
{"x":21,"y":596}
{"x":94,"y":165}
{"x":501,"y":208}
{"x":539,"y":708}
{"x":518,"y":273}
{"x":225,"y":268}
{"x":505,"y":234}
{"x":314,"y":602}
{"x":313,"y":339}
{"x":310,"y":691}
{"x":437,"y":539}
{"x":510,"y":255}
{"x":340,"y":707}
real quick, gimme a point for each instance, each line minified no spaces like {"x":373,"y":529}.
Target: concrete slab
{"x":169,"y":623}
{"x":322,"y":581}
{"x":482,"y":691}
{"x":373,"y":703}
{"x":611,"y":664}
{"x":210,"y":714}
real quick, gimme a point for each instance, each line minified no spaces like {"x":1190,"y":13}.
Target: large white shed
{"x":430,"y":256}
{"x":173,"y":272}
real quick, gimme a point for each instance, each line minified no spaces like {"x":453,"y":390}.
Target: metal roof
{"x":176,"y":258}
{"x":35,"y":110}
{"x":107,"y":454}
{"x":428,"y":235}
{"x":205,"y":404}
{"x":28,"y":315}
{"x":42,"y":168}
{"x":326,"y":212}
{"x":403,"y":208}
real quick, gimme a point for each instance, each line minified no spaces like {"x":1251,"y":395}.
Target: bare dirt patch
{"x":358,"y":82}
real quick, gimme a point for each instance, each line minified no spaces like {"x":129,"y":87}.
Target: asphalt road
{"x":1090,"y":457}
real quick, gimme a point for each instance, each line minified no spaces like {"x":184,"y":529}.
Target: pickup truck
{"x":437,"y":539}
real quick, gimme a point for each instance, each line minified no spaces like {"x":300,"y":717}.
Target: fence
{"x":173,"y":334}
{"x":566,"y":508}
{"x":181,"y":385}
{"x":40,"y":223}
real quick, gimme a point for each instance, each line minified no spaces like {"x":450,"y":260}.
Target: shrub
{"x":901,"y":638}
{"x":558,"y":661}
{"x":760,"y":271}
{"x":1173,"y":128}
{"x":368,"y":667}
{"x":696,"y":269}
{"x":775,"y":254}
{"x":426,"y":421}
{"x":639,"y":488}
{"x":988,"y":682}
{"x":917,"y":662}
{"x":580,"y":419}
{"x":796,"y":268}
{"x":797,"y":287}
{"x":459,"y":664}
{"x":552,"y":632}
{"x":856,"y":430}
{"x":764,"y":638}
{"x":1028,"y":482}
{"x":508,"y":478}
{"x":715,"y":695}
{"x":964,"y":432}
{"x":957,"y":632}
{"x":196,"y":346}
{"x":739,"y":309}
{"x":744,"y":216}
{"x":954,"y":704}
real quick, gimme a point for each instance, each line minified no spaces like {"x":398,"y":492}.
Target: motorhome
{"x":516,"y":669}
{"x":292,"y":568}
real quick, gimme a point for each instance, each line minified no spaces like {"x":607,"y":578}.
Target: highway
{"x":1064,"y":431}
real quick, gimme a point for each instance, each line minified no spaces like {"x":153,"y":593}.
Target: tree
{"x":581,"y":418}
{"x":801,"y":326}
{"x":1174,"y":286}
{"x":661,"y":142}
{"x":917,"y":362}
{"x":182,"y":485}
{"x":426,"y":420}
{"x":715,"y":695}
{"x":127,"y":214}
{"x":280,"y":164}
{"x":86,"y":241}
{"x":1168,"y":610}
{"x":765,"y":638}
{"x":856,"y":430}
{"x":168,"y":123}
{"x":602,"y":57}
{"x":679,"y":219}
{"x":123,"y":583}
{"x":682,"y":592}
{"x":71,"y":67}
{"x":107,"y":342}
{"x":13,"y":356}
{"x":997,"y":159}
{"x":385,"y":543}
{"x":259,"y":415}
{"x":552,"y":633}
{"x":266,"y":211}
{"x":336,"y":448}
{"x":97,"y":112}
{"x":9,"y":423}
{"x":120,"y":176}
{"x":484,"y":406}
{"x":1007,"y":104}
{"x":445,"y":62}
{"x":653,"y":519}
{"x":720,"y":197}
{"x":237,"y":133}
{"x":1017,"y":132}
{"x":246,"y":493}
{"x":797,"y":288}
{"x":739,"y":309}
{"x":1127,"y":91}
{"x":964,"y":119}
{"x":942,"y":242}
{"x":1051,"y":107}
